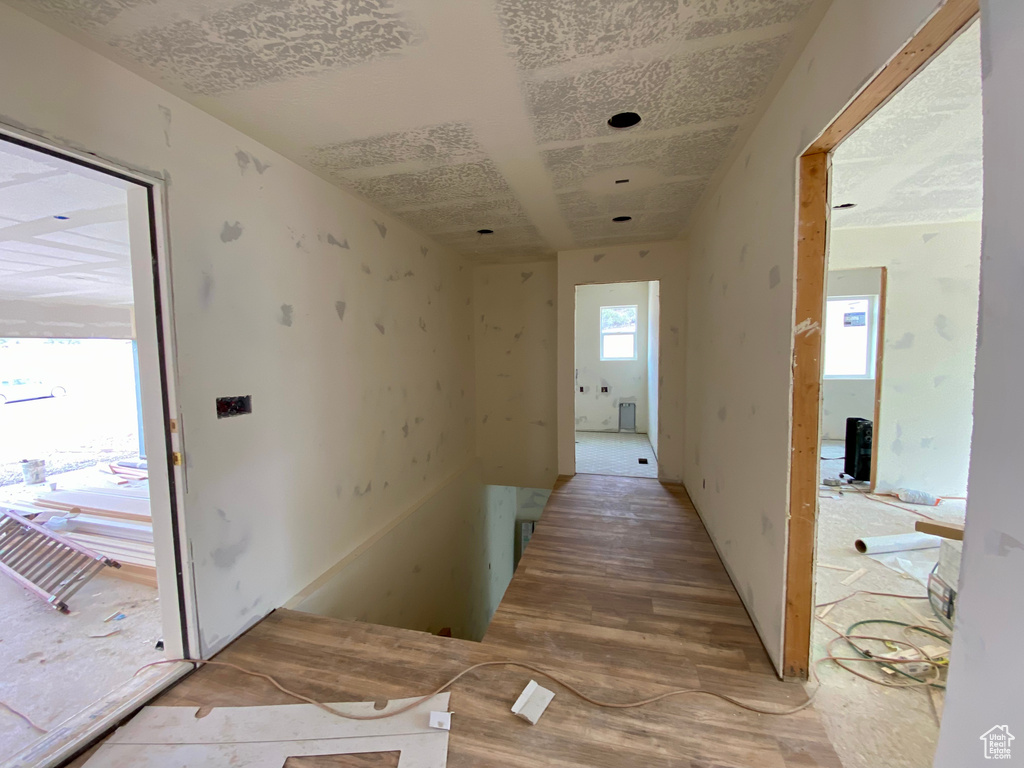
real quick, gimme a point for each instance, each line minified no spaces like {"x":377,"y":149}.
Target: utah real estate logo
{"x":997,"y":742}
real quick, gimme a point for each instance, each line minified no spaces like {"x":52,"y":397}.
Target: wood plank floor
{"x":621,"y":592}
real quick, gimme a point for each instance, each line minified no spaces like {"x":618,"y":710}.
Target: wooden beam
{"x":954,"y":531}
{"x":804,"y":464}
{"x":932,"y":37}
{"x":879,"y":359}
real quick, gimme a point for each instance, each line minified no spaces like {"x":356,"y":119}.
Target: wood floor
{"x":621,"y":592}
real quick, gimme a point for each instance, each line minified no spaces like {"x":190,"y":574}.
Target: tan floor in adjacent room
{"x":870,"y":725}
{"x":53,"y":667}
{"x":615,"y":453}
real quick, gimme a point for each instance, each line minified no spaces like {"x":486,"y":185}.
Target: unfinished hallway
{"x":620,"y":593}
{"x":381,"y":224}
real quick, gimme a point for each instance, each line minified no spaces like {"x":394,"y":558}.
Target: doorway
{"x":91,"y":577}
{"x":616,"y":378}
{"x":887,"y":302}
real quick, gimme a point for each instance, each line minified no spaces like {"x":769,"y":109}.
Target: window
{"x":850,"y":337}
{"x":618,"y":333}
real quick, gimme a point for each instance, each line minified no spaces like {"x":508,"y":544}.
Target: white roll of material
{"x":900,"y":542}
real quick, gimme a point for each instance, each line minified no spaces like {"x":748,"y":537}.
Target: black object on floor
{"x":642,"y":461}
{"x":857,"y":462}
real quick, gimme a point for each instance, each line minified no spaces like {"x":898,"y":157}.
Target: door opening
{"x":616,"y":383}
{"x":91,"y":559}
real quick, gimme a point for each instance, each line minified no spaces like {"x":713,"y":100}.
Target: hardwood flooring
{"x":621,"y":592}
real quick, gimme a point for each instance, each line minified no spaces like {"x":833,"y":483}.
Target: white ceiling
{"x":918,"y":160}
{"x":459,"y":115}
{"x":81,"y":259}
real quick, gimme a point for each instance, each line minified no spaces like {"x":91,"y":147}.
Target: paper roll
{"x":900,"y":542}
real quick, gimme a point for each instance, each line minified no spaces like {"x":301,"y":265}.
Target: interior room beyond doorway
{"x":616,"y":357}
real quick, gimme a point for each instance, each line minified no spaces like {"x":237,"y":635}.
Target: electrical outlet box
{"x":233,"y":406}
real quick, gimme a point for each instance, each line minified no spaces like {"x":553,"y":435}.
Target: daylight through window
{"x":850,"y":338}
{"x":618,"y":333}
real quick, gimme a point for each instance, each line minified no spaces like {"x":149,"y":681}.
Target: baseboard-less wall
{"x":740,"y":305}
{"x":986,"y":668}
{"x":444,"y":564}
{"x":514,"y":335}
{"x":348,"y":328}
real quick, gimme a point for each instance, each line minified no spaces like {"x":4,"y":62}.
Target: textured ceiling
{"x":918,"y":160}
{"x":459,"y":115}
{"x":80,"y":259}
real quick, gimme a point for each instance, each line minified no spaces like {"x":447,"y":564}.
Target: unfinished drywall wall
{"x":986,"y":668}
{"x":848,"y":398}
{"x":514,"y":329}
{"x":665,"y":262}
{"x":349,"y":330}
{"x":446,"y":565}
{"x":923,"y":435}
{"x":740,"y":304}
{"x":653,"y":355}
{"x":602,"y":384}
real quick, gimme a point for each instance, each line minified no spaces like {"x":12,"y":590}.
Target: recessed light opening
{"x":622,"y":181}
{"x":623,"y":218}
{"x":485,"y":231}
{"x":624,"y":120}
{"x":844,"y":206}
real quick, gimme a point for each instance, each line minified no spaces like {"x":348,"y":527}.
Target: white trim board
{"x":264,"y":737}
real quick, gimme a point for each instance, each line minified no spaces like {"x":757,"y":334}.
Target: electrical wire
{"x":23,"y":716}
{"x":416,"y":702}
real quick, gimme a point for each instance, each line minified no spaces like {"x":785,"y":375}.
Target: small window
{"x":618,"y":333}
{"x":850,"y":337}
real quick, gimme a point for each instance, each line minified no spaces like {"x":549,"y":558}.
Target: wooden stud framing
{"x":812,"y":231}
{"x":879,"y":360}
{"x":803,"y":486}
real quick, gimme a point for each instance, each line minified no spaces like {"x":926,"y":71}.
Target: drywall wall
{"x":923,"y":435}
{"x":848,"y":398}
{"x":350,"y":331}
{"x":653,"y":354}
{"x":625,"y":380}
{"x":740,"y":305}
{"x":662,"y":261}
{"x":514,"y":328}
{"x":987,"y":668}
{"x":446,"y":565}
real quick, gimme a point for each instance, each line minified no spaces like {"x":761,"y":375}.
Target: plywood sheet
{"x":266,"y":736}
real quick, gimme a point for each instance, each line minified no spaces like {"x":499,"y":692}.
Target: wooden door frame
{"x":883,"y":288}
{"x":811,"y":260}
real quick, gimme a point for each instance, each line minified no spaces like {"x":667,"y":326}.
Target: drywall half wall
{"x":653,"y":371}
{"x":848,"y":398}
{"x":663,"y":261}
{"x":514,"y":328}
{"x":601,"y":385}
{"x":742,"y":251}
{"x":987,"y":667}
{"x":923,"y":435}
{"x":350,"y":330}
{"x":445,"y":564}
